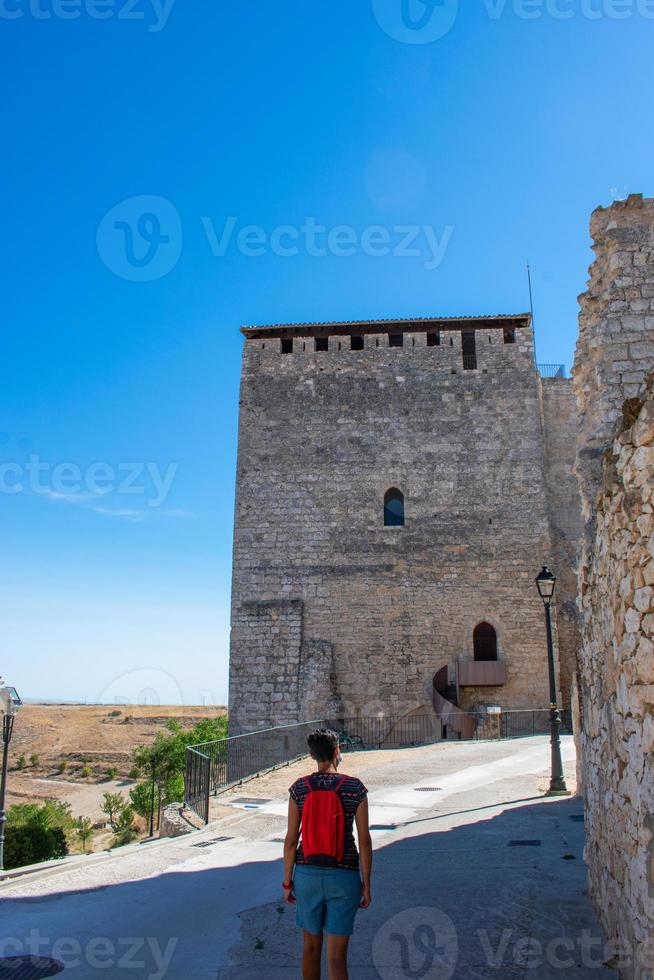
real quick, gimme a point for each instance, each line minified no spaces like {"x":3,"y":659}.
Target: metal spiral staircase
{"x":456,"y":722}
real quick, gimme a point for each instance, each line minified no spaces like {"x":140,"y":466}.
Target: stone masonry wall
{"x":616,"y":472}
{"x":332,"y":611}
{"x":564,"y":505}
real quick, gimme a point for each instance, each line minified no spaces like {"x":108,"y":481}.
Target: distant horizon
{"x":67,"y":702}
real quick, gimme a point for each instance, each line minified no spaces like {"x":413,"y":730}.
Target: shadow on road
{"x":496,"y":898}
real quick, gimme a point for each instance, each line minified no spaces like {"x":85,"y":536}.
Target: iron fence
{"x":213,"y":766}
{"x":389,"y":732}
{"x":551,"y":370}
{"x":517,"y":724}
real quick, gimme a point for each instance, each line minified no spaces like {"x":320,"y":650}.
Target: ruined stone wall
{"x":334,"y":611}
{"x":616,"y":473}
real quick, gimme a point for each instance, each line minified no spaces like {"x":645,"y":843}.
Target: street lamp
{"x":9,"y":704}
{"x":546,"y":583}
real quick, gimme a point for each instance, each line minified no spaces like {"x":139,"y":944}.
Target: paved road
{"x":476,"y":876}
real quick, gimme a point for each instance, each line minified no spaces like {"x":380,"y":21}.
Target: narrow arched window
{"x":484,"y":641}
{"x":394,"y":508}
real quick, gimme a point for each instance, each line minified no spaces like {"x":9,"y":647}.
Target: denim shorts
{"x":327,"y":899}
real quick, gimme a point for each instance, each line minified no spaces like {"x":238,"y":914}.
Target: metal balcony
{"x":480,"y":673}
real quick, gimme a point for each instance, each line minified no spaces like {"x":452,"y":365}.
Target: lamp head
{"x":9,"y":700}
{"x":546,"y":583}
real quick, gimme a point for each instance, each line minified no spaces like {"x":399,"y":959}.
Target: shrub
{"x":63,"y":766}
{"x":86,"y":770}
{"x":124,"y":830}
{"x":21,"y":762}
{"x":34,"y":759}
{"x":84,"y":831}
{"x":115,"y":713}
{"x":37,"y":833}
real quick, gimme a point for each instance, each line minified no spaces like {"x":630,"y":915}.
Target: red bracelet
{"x":287,"y":887}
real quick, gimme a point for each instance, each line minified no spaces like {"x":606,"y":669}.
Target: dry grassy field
{"x":78,"y":746}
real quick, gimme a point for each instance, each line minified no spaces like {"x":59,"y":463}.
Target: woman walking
{"x":324,"y":874}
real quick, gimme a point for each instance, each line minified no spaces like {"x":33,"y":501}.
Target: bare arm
{"x":365,"y":850}
{"x":290,"y":847}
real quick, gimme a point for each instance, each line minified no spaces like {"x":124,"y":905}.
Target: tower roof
{"x":413,"y":324}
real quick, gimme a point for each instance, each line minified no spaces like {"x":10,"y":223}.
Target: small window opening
{"x":469,"y":350}
{"x":484,"y":641}
{"x":377,"y":343}
{"x":356,"y":343}
{"x":509,"y":335}
{"x":433,"y":340}
{"x":339,"y":345}
{"x":263,"y":347}
{"x":413,"y":341}
{"x":490,"y":339}
{"x":451,"y":341}
{"x":395,"y":340}
{"x":394,"y":508}
{"x":322,"y":343}
{"x":287,"y":345}
{"x":304,"y":346}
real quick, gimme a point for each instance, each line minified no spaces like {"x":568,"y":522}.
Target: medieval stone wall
{"x":332,"y":611}
{"x":564,"y":508}
{"x":616,"y":473}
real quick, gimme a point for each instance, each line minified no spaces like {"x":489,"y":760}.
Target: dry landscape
{"x":78,"y":747}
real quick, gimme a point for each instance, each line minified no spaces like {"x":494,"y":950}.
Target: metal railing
{"x":551,"y":370}
{"x":213,"y":766}
{"x":520,"y":724}
{"x":469,"y":362}
{"x":389,"y":732}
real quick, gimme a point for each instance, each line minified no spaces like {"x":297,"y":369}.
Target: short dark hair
{"x":322,"y":744}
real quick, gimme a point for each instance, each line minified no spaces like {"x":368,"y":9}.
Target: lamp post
{"x":546,"y":583}
{"x":9,"y":704}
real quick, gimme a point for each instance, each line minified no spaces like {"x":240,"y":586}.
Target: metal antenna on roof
{"x":531,"y":307}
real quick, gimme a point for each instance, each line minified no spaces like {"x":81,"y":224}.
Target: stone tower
{"x":399,"y":485}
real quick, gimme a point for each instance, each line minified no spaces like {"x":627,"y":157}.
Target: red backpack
{"x":323,"y":824}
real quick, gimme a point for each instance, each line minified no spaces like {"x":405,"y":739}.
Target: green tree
{"x":112,"y":805}
{"x":34,"y":759}
{"x":84,"y":830}
{"x":112,"y":772}
{"x":124,"y":830}
{"x":37,"y":833}
{"x":169,"y":754}
{"x":21,"y":762}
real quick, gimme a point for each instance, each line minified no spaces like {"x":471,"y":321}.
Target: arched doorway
{"x":484,"y":641}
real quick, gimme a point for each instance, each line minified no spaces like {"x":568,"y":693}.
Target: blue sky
{"x":120,"y":373}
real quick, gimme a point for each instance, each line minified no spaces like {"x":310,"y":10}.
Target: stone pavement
{"x":476,"y":876}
